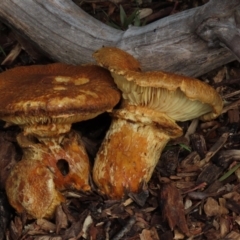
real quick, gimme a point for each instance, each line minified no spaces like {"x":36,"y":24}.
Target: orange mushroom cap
{"x":181,"y":98}
{"x":118,"y":59}
{"x":55,"y":93}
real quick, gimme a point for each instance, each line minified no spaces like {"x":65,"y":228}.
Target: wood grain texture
{"x":68,"y":34}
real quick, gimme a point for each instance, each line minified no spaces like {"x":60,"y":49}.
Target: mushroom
{"x":146,"y":121}
{"x":31,"y":189}
{"x":44,"y":101}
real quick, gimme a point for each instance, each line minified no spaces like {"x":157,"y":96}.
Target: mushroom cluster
{"x":152,"y":102}
{"x":44,"y":101}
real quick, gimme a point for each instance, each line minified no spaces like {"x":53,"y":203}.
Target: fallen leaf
{"x":173,"y":207}
{"x":212,"y":208}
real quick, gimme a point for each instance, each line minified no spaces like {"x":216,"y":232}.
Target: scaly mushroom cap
{"x":181,"y":98}
{"x":118,"y":59}
{"x":55,"y":93}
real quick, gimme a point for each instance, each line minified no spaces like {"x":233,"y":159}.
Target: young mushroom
{"x":44,"y":101}
{"x":145,"y":122}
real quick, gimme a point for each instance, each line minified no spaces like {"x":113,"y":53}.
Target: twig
{"x":231,"y":106}
{"x":191,"y":129}
{"x":125,"y":229}
{"x":228,"y":82}
{"x":232,"y":94}
{"x":214,"y":149}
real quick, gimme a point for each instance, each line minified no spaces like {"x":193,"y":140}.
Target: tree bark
{"x":67,"y":34}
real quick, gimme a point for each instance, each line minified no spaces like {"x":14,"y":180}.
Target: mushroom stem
{"x":47,"y":130}
{"x":30,"y":188}
{"x":65,"y":156}
{"x":54,"y":164}
{"x":131,"y":150}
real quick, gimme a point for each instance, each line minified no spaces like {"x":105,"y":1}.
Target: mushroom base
{"x":30,"y":188}
{"x":48,"y":166}
{"x":129,"y":153}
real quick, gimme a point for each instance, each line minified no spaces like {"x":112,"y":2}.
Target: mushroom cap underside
{"x":56,"y":92}
{"x":191,"y":94}
{"x":181,"y":98}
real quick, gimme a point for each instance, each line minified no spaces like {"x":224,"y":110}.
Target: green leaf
{"x":185,"y":147}
{"x":123,"y":16}
{"x":112,"y":24}
{"x":144,"y":22}
{"x":137,"y":22}
{"x":229,"y":173}
{"x":132,"y":17}
{"x":2,"y":51}
{"x":125,"y":21}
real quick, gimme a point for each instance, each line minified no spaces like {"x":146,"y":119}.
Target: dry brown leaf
{"x":8,"y":156}
{"x":61,"y":219}
{"x":16,"y":226}
{"x":149,"y":234}
{"x":196,"y":228}
{"x":212,"y":234}
{"x":145,"y":235}
{"x":173,"y":208}
{"x":233,"y":235}
{"x":144,"y":12}
{"x":178,"y":235}
{"x":190,"y":163}
{"x":237,"y":220}
{"x":111,"y":9}
{"x":46,"y":225}
{"x":220,"y":75}
{"x":212,"y":208}
{"x":235,"y":196}
{"x":224,"y":226}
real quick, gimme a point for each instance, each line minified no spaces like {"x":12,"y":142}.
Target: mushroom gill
{"x":166,"y":101}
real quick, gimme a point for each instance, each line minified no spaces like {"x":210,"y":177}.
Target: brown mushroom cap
{"x":118,"y":59}
{"x":55,"y":93}
{"x":181,"y":98}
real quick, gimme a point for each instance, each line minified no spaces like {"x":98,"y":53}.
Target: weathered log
{"x":68,"y":34}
